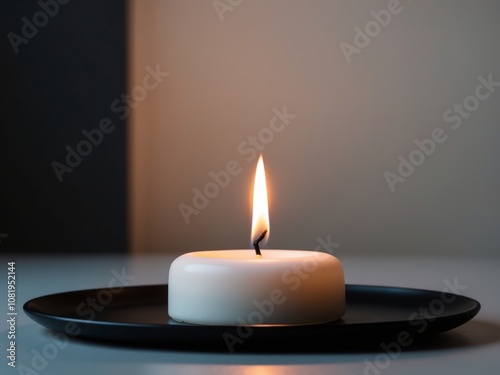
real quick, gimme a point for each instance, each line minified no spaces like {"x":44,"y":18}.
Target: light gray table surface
{"x":471,"y":348}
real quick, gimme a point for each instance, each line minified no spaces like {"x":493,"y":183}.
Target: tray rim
{"x":184,"y":333}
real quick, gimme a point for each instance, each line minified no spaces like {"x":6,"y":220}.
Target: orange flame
{"x":260,"y":216}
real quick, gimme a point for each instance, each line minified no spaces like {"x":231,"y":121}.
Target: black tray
{"x":138,"y":316}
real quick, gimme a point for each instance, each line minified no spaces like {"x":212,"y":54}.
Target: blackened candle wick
{"x":256,"y":242}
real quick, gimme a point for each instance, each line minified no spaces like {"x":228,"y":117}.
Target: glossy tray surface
{"x":138,"y":315}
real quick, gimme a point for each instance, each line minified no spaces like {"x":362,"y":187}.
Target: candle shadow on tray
{"x":472,"y":334}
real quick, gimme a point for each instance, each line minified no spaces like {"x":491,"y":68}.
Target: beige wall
{"x":353,"y":120}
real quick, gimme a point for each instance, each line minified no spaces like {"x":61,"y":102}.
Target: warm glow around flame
{"x":260,"y":217}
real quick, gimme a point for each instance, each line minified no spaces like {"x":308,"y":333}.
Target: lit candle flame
{"x":260,"y":216}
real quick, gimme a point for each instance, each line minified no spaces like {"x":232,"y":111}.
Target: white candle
{"x":236,"y":287}
{"x":242,"y":287}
